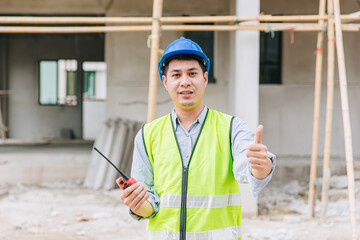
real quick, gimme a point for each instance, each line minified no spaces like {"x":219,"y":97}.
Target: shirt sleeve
{"x":142,"y":172}
{"x":241,"y":138}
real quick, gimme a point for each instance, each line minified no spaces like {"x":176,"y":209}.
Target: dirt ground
{"x":66,"y":210}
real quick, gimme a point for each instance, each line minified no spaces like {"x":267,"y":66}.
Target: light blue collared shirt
{"x":241,"y":138}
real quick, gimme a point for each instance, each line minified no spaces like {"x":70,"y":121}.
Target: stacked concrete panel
{"x":116,"y":142}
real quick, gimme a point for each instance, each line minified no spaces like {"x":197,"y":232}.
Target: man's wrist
{"x":145,"y":211}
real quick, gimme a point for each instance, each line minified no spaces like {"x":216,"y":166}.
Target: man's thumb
{"x":118,"y":181}
{"x":258,"y":136}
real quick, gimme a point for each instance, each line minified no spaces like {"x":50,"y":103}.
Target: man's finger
{"x":118,"y":181}
{"x":139,"y":200}
{"x":258,"y":136}
{"x":253,"y":154}
{"x":257,"y":147}
{"x":130,"y":193}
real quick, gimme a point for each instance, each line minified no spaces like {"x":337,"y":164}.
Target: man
{"x":188,"y":163}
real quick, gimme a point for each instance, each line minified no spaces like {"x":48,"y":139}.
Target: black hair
{"x":184,"y":56}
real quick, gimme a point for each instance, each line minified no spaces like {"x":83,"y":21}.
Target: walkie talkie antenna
{"x":121,"y":173}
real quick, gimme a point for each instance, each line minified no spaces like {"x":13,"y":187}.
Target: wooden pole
{"x":73,"y":20}
{"x":350,"y":17}
{"x":154,"y":56}
{"x":187,"y":19}
{"x":89,"y":29}
{"x":346,"y":118}
{"x":317,"y":100}
{"x":297,"y":27}
{"x":266,"y":27}
{"x":261,"y":18}
{"x":329,"y":112}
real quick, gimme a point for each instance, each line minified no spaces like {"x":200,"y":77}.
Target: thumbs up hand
{"x":256,"y":153}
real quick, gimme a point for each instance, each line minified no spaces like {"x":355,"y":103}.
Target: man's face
{"x":185,"y":83}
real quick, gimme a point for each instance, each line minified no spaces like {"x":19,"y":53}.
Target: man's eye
{"x":192,"y":73}
{"x":176,"y":75}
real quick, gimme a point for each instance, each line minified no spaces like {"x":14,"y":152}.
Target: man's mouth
{"x":186,"y":92}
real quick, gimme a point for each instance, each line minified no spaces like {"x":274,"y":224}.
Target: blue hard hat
{"x":181,"y":46}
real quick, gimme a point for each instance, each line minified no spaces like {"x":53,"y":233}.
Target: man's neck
{"x":188,"y":116}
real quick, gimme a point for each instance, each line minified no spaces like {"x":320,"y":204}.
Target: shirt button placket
{"x":189,"y":143}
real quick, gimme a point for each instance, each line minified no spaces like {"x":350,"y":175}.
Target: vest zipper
{"x":183,"y":204}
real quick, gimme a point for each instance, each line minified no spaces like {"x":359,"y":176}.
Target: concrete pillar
{"x":244,"y":88}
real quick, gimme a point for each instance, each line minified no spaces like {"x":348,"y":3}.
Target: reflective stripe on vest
{"x":201,"y":201}
{"x":222,"y":233}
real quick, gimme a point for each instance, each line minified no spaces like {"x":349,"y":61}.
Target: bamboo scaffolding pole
{"x":75,"y":29}
{"x":329,"y":113}
{"x":260,"y":18}
{"x":182,"y":19}
{"x":147,"y":28}
{"x":209,"y":19}
{"x":73,"y":20}
{"x":154,"y":56}
{"x":266,"y":27}
{"x":346,"y":118}
{"x":350,"y":17}
{"x":317,"y":101}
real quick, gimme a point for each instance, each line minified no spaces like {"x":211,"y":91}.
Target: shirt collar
{"x":200,"y":119}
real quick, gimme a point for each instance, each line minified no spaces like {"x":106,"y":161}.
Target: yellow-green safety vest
{"x":201,"y":200}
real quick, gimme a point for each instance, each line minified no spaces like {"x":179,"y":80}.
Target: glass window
{"x":94,"y":80}
{"x":89,"y":84}
{"x":58,"y":81}
{"x":48,"y":82}
{"x":270,"y":58}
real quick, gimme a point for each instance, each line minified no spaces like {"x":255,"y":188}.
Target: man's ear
{"x":206,"y":78}
{"x":164,"y":81}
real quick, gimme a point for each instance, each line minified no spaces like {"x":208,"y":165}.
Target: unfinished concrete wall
{"x":28,"y":119}
{"x":93,"y":118}
{"x":288,"y":119}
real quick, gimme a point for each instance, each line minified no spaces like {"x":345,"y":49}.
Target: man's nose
{"x":185,"y":81}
